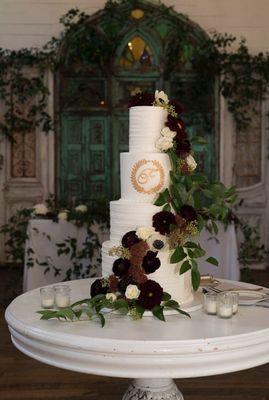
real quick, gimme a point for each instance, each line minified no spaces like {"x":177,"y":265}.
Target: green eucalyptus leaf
{"x":213,"y":261}
{"x":195,"y":277}
{"x":186,"y":265}
{"x":178,"y":255}
{"x":166,"y":296}
{"x":157,"y":311}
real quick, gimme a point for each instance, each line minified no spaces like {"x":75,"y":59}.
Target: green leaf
{"x":185,"y":267}
{"x":166,"y":296}
{"x":195,"y":277}
{"x":215,"y":227}
{"x":101,"y":318}
{"x":120,"y":303}
{"x":182,"y":312}
{"x":178,"y":255}
{"x":201,"y":222}
{"x":157,"y":311}
{"x":171,"y":303}
{"x":167,"y":207}
{"x":212,"y":260}
{"x":163,"y":198}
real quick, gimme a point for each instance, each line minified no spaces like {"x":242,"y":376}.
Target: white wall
{"x":33,"y":22}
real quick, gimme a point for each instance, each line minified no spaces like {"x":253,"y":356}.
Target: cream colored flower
{"x":81,"y":208}
{"x":62,"y":216}
{"x":144,"y":232}
{"x":164,"y":143}
{"x":132,"y":292}
{"x":166,"y":132}
{"x":40,"y":209}
{"x":157,"y":242}
{"x":111,"y":296}
{"x":192,"y":164}
{"x":161,"y":97}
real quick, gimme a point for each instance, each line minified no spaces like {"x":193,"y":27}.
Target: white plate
{"x":249,"y":298}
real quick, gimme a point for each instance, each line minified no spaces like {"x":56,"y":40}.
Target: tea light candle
{"x":210,"y":303}
{"x":62,"y":296}
{"x":235,"y":301}
{"x":225,"y":306}
{"x":47,"y":297}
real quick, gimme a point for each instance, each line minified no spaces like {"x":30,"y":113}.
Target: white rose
{"x":166,"y":132}
{"x":161,"y":97}
{"x":164,"y":143}
{"x":62,"y":216}
{"x":157,"y":242}
{"x":40,"y":209}
{"x":132,"y":292}
{"x":81,"y":208}
{"x":111,"y":296}
{"x":192,"y":164}
{"x":144,"y":232}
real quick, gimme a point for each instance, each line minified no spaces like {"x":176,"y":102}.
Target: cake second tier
{"x":144,"y":175}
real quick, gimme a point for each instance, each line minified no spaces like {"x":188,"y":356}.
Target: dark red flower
{"x":151,"y":262}
{"x":177,"y":125}
{"x":151,"y":294}
{"x":129,"y":239}
{"x":141,"y":99}
{"x":113,"y":282}
{"x":188,"y":213}
{"x":99,"y":286}
{"x":138,"y":274}
{"x":121,"y":266}
{"x":183,"y":147}
{"x":138,"y":251}
{"x":162,"y":221}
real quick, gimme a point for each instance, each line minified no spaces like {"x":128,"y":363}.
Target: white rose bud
{"x":192,"y":164}
{"x":132,"y":292}
{"x":164,"y":143}
{"x":111,"y":296}
{"x":62,"y":216}
{"x":81,"y":208}
{"x":144,"y":232}
{"x":161,"y":97}
{"x":40,"y":209}
{"x":166,"y":132}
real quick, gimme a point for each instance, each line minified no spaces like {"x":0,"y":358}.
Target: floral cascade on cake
{"x":150,"y":261}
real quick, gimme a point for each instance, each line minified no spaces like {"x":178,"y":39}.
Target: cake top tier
{"x":146,"y":123}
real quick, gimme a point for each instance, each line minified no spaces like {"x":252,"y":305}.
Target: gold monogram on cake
{"x":147,"y":176}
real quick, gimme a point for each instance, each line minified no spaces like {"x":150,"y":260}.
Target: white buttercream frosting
{"x":146,"y":123}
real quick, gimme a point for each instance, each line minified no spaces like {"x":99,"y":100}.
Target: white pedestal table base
{"x":153,"y":389}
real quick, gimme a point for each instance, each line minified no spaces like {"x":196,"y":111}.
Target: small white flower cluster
{"x":40,"y":209}
{"x":81,"y":208}
{"x":155,"y":241}
{"x":192,"y":164}
{"x":165,"y":141}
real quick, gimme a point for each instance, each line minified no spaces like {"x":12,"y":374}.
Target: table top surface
{"x":202,"y":345}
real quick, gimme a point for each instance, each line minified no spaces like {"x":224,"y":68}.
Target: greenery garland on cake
{"x":188,"y":204}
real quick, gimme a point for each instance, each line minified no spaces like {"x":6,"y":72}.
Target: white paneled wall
{"x":32,"y":22}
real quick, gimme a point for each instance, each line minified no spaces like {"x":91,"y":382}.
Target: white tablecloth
{"x":42,"y":261}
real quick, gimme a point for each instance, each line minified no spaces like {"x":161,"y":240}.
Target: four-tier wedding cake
{"x":145,"y":172}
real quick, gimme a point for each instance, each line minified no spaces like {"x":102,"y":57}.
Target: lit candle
{"x":225,"y":306}
{"x":47,"y":297}
{"x":62,"y":296}
{"x":210,"y":303}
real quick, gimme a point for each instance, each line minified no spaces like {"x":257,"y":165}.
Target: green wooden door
{"x":85,"y":157}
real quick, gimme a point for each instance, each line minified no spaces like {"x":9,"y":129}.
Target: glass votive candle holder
{"x":210,"y":303}
{"x":47,"y":297}
{"x":235,"y":300}
{"x":225,"y":305}
{"x":62,"y":296}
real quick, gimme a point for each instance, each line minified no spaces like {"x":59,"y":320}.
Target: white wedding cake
{"x":144,"y":173}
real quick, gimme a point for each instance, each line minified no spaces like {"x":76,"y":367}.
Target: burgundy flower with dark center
{"x":177,"y":125}
{"x":188,"y":213}
{"x":124,"y":282}
{"x":99,"y":286}
{"x":121,"y":266}
{"x":151,"y":294}
{"x":183,"y":147}
{"x":141,"y":99}
{"x":113,"y":282}
{"x":151,"y":262}
{"x":129,"y":239}
{"x":162,"y":221}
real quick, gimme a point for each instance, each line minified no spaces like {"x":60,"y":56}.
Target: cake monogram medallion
{"x":147,"y":176}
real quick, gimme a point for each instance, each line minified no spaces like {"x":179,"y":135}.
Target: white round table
{"x":151,"y":351}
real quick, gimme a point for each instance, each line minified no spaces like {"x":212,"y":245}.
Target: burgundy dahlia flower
{"x":183,"y":147}
{"x":99,"y":286}
{"x":129,"y":239}
{"x":162,"y":221}
{"x":124,"y":282}
{"x":141,"y":99}
{"x":121,"y":266}
{"x":188,"y":213}
{"x":151,"y":294}
{"x":151,"y":262}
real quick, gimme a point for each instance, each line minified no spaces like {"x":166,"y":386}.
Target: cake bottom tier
{"x":178,"y":286}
